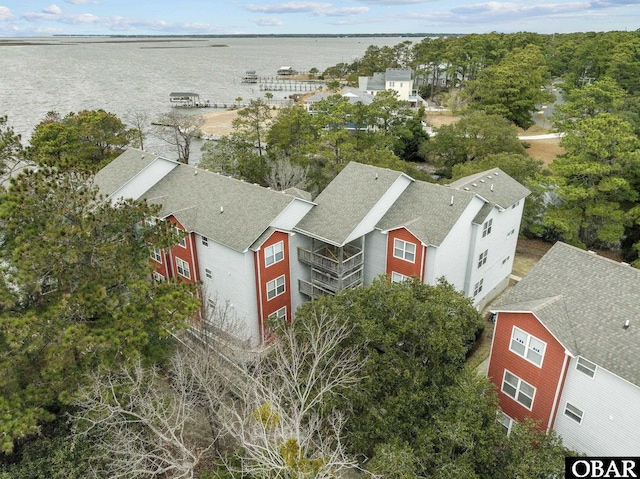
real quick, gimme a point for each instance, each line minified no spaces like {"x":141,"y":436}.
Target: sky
{"x":26,"y":18}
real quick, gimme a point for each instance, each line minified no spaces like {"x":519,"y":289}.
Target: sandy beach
{"x":218,"y":123}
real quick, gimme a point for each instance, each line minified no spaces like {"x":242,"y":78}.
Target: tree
{"x":86,"y":141}
{"x":10,"y":148}
{"x":139,"y":120}
{"x":283,"y":421}
{"x":473,"y":137}
{"x":75,"y":293}
{"x":513,"y":87}
{"x":234,"y":156}
{"x":252,"y":123}
{"x":293,"y":134}
{"x":182,"y":130}
{"x":142,"y":425}
{"x":595,"y":181}
{"x":283,"y":174}
{"x":272,"y":411}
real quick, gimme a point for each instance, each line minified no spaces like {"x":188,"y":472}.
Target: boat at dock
{"x":250,"y":76}
{"x":188,"y":100}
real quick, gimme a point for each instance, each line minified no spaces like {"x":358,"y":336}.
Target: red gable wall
{"x":544,"y":379}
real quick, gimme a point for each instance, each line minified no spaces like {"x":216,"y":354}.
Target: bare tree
{"x":139,"y":121}
{"x":279,"y":420}
{"x":283,"y":174}
{"x":141,"y":424}
{"x":271,"y":408}
{"x":179,"y":130}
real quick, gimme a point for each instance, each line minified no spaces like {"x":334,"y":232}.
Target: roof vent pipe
{"x":222,"y":209}
{"x":491,"y":186}
{"x":451,"y":202}
{"x":626,"y":324}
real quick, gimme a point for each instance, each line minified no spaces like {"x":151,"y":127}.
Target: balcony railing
{"x":327,"y":259}
{"x":333,"y":284}
{"x":311,"y":290}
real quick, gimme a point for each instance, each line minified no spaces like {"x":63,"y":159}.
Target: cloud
{"x":77,"y":2}
{"x":52,"y":9}
{"x":267,"y":22}
{"x":289,"y":7}
{"x":395,"y":2}
{"x":5,"y":14}
{"x":342,"y":12}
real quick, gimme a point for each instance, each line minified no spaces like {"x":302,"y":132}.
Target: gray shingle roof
{"x":223,"y":209}
{"x":494,"y":186}
{"x":425,"y":210}
{"x":122,"y":169}
{"x":353,"y":95}
{"x":345,"y":202}
{"x":398,"y":74}
{"x":584,"y":300}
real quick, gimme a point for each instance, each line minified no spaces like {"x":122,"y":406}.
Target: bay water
{"x":125,"y":75}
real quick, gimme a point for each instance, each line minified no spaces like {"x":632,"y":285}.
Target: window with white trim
{"x":586,"y":367}
{"x":506,"y":259}
{"x":158,"y":277}
{"x":279,"y":315}
{"x":183,"y":268}
{"x":274,"y":253}
{"x":478,"y":287}
{"x":573,"y":412}
{"x":156,"y":254}
{"x":398,"y":278}
{"x":183,"y":241}
{"x":205,"y":241}
{"x":275,"y":287}
{"x":208,"y":273}
{"x":511,"y":233}
{"x":521,"y":391}
{"x":527,"y":346}
{"x":506,"y":422}
{"x":482,"y":259}
{"x":404,"y":250}
{"x":486,"y":227}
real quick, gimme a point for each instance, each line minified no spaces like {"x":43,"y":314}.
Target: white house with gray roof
{"x":566,"y":351}
{"x":400,"y":80}
{"x":266,"y":252}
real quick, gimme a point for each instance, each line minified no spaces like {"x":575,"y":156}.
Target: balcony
{"x":311,"y":290}
{"x":332,"y":259}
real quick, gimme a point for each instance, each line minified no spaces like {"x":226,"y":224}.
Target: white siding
{"x":611,"y":420}
{"x":233,"y":281}
{"x":403,"y":87}
{"x":149,"y":176}
{"x":375,"y":255}
{"x":451,"y":257}
{"x":500,"y":245}
{"x":292,"y":214}
{"x":376,"y":213}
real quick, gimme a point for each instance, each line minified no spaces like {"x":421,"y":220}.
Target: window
{"x":486,"y":227}
{"x":519,"y":390}
{"x":275,"y":287}
{"x":511,"y":233}
{"x":586,"y":367}
{"x":573,"y":412}
{"x":392,"y":84}
{"x":527,"y":346}
{"x":478,"y":287}
{"x":281,"y":314}
{"x":505,"y":421}
{"x":183,"y":268}
{"x":183,"y":241}
{"x":274,"y":253}
{"x":482,"y":259}
{"x":208,"y":273}
{"x":156,"y":254}
{"x":398,"y":278}
{"x":158,"y":277}
{"x":205,"y":241}
{"x":506,"y":259}
{"x":515,"y":204}
{"x":404,"y":250}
